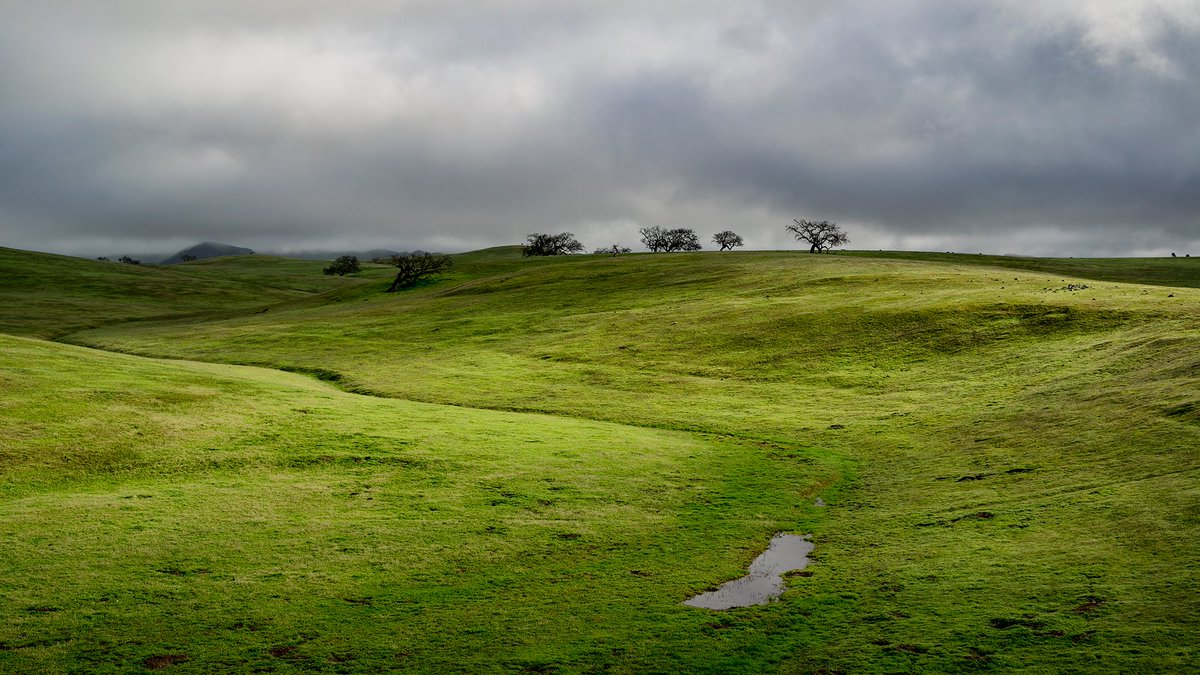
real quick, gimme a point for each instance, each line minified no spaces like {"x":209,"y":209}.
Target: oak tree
{"x":413,"y":267}
{"x":551,"y":244}
{"x":727,"y":240}
{"x":346,"y":264}
{"x":821,"y":235}
{"x":657,"y":239}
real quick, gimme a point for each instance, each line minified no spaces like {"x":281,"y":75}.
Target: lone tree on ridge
{"x":727,"y":240}
{"x":346,"y":264}
{"x":414,"y":267}
{"x":821,"y":235}
{"x":551,"y":244}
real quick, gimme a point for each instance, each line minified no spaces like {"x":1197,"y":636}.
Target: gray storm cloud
{"x":1062,"y":128}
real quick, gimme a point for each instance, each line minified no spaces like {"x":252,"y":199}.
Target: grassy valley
{"x":529,"y":463}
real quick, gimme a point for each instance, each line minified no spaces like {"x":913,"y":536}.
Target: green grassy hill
{"x":1179,"y":271}
{"x":47,"y":295}
{"x":557,"y":452}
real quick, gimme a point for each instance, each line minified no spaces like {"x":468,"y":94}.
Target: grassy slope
{"x":1158,"y":271}
{"x":246,"y":518}
{"x":1013,"y":482}
{"x":50,"y":295}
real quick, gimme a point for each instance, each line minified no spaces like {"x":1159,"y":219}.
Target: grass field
{"x":555,"y":453}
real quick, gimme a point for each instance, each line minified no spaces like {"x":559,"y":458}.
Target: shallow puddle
{"x":785,"y":553}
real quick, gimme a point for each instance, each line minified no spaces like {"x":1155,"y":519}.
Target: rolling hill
{"x":205,"y":250}
{"x":552,"y":454}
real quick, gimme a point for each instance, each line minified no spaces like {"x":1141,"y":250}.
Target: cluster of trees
{"x":410,"y":267}
{"x":668,"y":241}
{"x":821,"y":236}
{"x":551,"y":244}
{"x":657,"y":239}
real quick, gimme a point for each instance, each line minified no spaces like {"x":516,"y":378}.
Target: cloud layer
{"x":1004,"y":126}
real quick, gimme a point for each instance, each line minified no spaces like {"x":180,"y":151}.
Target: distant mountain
{"x":378,"y":254}
{"x":330,"y":254}
{"x":208,"y":249}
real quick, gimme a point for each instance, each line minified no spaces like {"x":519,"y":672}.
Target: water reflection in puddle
{"x":786,"y":552}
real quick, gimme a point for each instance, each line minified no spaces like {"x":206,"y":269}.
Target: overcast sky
{"x":1057,"y":127}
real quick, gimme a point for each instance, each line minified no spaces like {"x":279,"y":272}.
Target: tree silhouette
{"x":679,"y":239}
{"x":613,"y":250}
{"x":413,"y":267}
{"x":551,"y":244}
{"x":727,"y":240}
{"x":821,"y":235}
{"x":346,"y":264}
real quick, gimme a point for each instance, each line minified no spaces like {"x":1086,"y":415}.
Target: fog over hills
{"x":330,"y":254}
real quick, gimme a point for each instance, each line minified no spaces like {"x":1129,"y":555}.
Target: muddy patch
{"x":1091,"y":605}
{"x":786,"y":553}
{"x":163,"y":661}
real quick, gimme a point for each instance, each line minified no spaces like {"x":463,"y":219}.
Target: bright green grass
{"x":1011,"y":467}
{"x":728,"y":343}
{"x":220,"y":513}
{"x":1179,"y":271}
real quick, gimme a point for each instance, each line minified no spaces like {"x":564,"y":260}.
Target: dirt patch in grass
{"x":979,"y":515}
{"x":42,"y":609}
{"x":1002,"y":623}
{"x":179,"y":572}
{"x":160,"y":661}
{"x":911,"y":649}
{"x":1090,"y":605}
{"x":977,"y":655}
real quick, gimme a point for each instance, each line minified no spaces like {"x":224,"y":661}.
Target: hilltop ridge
{"x":205,"y":250}
{"x":998,"y":467}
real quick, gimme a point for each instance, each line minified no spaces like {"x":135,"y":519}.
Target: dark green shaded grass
{"x":45,"y":295}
